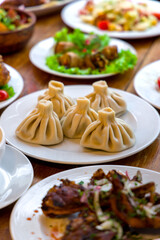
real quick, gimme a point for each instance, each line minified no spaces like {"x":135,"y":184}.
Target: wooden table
{"x":34,"y":79}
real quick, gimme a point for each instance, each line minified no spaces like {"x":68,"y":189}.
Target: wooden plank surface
{"x":148,"y":50}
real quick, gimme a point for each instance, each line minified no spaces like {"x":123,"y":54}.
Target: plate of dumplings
{"x":80,"y":124}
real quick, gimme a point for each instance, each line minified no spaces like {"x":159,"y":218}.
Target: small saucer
{"x":16,"y":175}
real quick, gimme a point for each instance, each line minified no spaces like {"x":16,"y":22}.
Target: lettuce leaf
{"x":126,"y":60}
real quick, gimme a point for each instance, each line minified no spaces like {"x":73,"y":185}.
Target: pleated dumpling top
{"x":103,"y":97}
{"x":55,"y":93}
{"x":77,"y":118}
{"x":108,"y":133}
{"x":41,"y":126}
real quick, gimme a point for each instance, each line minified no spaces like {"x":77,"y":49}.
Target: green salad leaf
{"x":87,"y":44}
{"x":8,"y":89}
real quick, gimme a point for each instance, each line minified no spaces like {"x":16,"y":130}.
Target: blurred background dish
{"x":74,"y":21}
{"x":26,"y":3}
{"x":147,"y":83}
{"x":39,"y":7}
{"x":16,"y":28}
{"x":48,"y":8}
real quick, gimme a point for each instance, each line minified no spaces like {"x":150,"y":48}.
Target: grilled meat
{"x":63,"y":199}
{"x":84,"y":228}
{"x":4,"y":73}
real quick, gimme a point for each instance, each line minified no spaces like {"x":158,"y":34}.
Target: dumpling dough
{"x":103,"y":97}
{"x":41,"y":126}
{"x":108,"y":133}
{"x":55,"y":93}
{"x":77,"y":118}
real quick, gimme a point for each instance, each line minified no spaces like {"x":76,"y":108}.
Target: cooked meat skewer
{"x":62,"y":47}
{"x":70,"y":59}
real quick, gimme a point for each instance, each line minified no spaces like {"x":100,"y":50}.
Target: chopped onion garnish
{"x":101,"y":181}
{"x":128,"y":185}
{"x":156,"y":208}
{"x":107,"y":187}
{"x":150,"y":211}
{"x":100,"y":215}
{"x":111,"y":224}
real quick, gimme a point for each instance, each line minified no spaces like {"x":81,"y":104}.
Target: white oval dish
{"x":140,"y":116}
{"x":16,"y":175}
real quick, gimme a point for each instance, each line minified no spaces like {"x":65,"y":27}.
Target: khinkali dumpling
{"x":41,"y":126}
{"x":103,"y":97}
{"x":77,"y":118}
{"x":108,"y":133}
{"x":55,"y":93}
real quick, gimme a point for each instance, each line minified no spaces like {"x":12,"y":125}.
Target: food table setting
{"x":82,"y":60}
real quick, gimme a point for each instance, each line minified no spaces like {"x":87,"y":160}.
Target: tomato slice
{"x":157,"y":15}
{"x":3,"y":95}
{"x":103,"y":25}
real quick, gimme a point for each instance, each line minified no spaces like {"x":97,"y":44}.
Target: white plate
{"x":145,"y":83}
{"x":47,"y":8}
{"x":74,"y":21}
{"x":16,"y":82}
{"x":16,"y":175}
{"x":39,"y":226}
{"x":44,"y":49}
{"x":142,"y":117}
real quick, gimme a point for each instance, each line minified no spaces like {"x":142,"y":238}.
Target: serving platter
{"x":74,"y":21}
{"x":48,"y":8}
{"x":145,"y":83}
{"x":44,"y":48}
{"x":140,"y":116}
{"x":16,"y":82}
{"x":27,"y":219}
{"x":16,"y":175}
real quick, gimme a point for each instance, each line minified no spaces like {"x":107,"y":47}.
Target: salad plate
{"x":140,"y":116}
{"x":74,"y":21}
{"x":47,"y":8}
{"x":16,"y":175}
{"x":16,"y":82}
{"x":145,"y":83}
{"x":44,"y":49}
{"x":27,"y":219}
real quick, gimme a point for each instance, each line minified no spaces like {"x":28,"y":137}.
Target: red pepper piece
{"x":103,"y":25}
